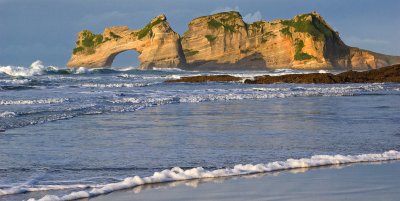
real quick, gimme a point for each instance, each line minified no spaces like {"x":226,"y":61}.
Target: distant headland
{"x":224,"y":41}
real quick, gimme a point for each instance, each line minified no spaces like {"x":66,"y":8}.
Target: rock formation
{"x":385,"y":74}
{"x":224,"y":41}
{"x":157,"y":43}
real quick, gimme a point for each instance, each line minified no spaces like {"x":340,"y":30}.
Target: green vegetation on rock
{"x":245,"y":51}
{"x":258,"y":25}
{"x":189,"y":52}
{"x":77,"y":49}
{"x":227,"y":17}
{"x":267,"y":35}
{"x":147,"y":29}
{"x":211,"y":38}
{"x":230,"y":28}
{"x":299,"y":54}
{"x":309,"y":23}
{"x":87,"y":42}
{"x":214,"y":24}
{"x":226,"y":20}
{"x":286,"y":31}
{"x":115,"y":36}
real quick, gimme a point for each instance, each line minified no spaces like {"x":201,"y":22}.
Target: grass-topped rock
{"x":147,"y":29}
{"x":87,"y":41}
{"x":312,"y":24}
{"x":227,"y":20}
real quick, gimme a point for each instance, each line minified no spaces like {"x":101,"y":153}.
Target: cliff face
{"x":157,"y":43}
{"x":225,"y":41}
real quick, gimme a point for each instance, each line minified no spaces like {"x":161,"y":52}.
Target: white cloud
{"x":248,"y":18}
{"x":226,"y":9}
{"x":252,"y":17}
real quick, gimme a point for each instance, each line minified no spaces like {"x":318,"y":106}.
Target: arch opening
{"x":125,"y":59}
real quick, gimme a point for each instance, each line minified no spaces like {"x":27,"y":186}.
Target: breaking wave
{"x":6,"y":114}
{"x":32,"y":102}
{"x":113,"y":85}
{"x":36,"y":68}
{"x":179,"y":174}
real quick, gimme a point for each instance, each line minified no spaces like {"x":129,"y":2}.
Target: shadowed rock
{"x":385,"y":74}
{"x":207,"y":78}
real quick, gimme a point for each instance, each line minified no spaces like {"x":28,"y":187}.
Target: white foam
{"x":6,"y":114}
{"x":210,"y":95}
{"x":32,"y":102}
{"x":38,"y":188}
{"x":36,"y":68}
{"x":16,"y":81}
{"x":127,"y":68}
{"x":168,"y":69}
{"x":178,"y":174}
{"x":80,"y":70}
{"x":113,"y":85}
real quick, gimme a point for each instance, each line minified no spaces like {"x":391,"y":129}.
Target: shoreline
{"x":385,"y":74}
{"x":367,"y":181}
{"x":197,"y":174}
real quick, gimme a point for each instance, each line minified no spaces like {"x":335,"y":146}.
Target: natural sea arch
{"x":157,"y":44}
{"x":128,"y":58}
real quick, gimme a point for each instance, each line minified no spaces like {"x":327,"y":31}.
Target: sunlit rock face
{"x":224,"y":41}
{"x":157,"y":44}
{"x":304,"y":42}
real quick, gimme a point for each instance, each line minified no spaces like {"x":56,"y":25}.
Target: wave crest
{"x":179,"y":174}
{"x":36,"y":68}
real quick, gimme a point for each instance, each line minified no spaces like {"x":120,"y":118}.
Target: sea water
{"x":69,"y":134}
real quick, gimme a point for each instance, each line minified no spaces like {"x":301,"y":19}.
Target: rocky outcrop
{"x":207,"y":78}
{"x":224,"y":41}
{"x":304,"y":42}
{"x":385,"y":74}
{"x":157,"y":43}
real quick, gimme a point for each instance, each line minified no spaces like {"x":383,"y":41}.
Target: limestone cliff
{"x":157,"y":43}
{"x":225,"y":41}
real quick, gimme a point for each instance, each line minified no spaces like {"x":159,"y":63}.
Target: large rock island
{"x":224,"y":41}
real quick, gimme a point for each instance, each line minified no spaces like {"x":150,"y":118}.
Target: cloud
{"x":226,"y":9}
{"x":252,"y":17}
{"x":248,"y":18}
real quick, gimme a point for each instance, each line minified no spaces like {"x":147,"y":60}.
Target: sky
{"x":46,"y":30}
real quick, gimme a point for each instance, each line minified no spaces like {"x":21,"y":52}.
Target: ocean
{"x":71,"y":134}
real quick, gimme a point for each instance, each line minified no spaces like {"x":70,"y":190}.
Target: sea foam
{"x":179,"y":174}
{"x":36,"y":68}
{"x":32,"y":102}
{"x":6,"y":114}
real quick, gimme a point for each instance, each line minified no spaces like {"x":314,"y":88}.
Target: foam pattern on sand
{"x":179,"y":174}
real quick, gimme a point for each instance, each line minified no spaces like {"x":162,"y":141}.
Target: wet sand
{"x":353,"y":182}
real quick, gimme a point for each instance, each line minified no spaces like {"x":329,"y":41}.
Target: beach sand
{"x":370,"y":181}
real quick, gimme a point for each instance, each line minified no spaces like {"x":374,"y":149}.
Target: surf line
{"x":178,"y":174}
